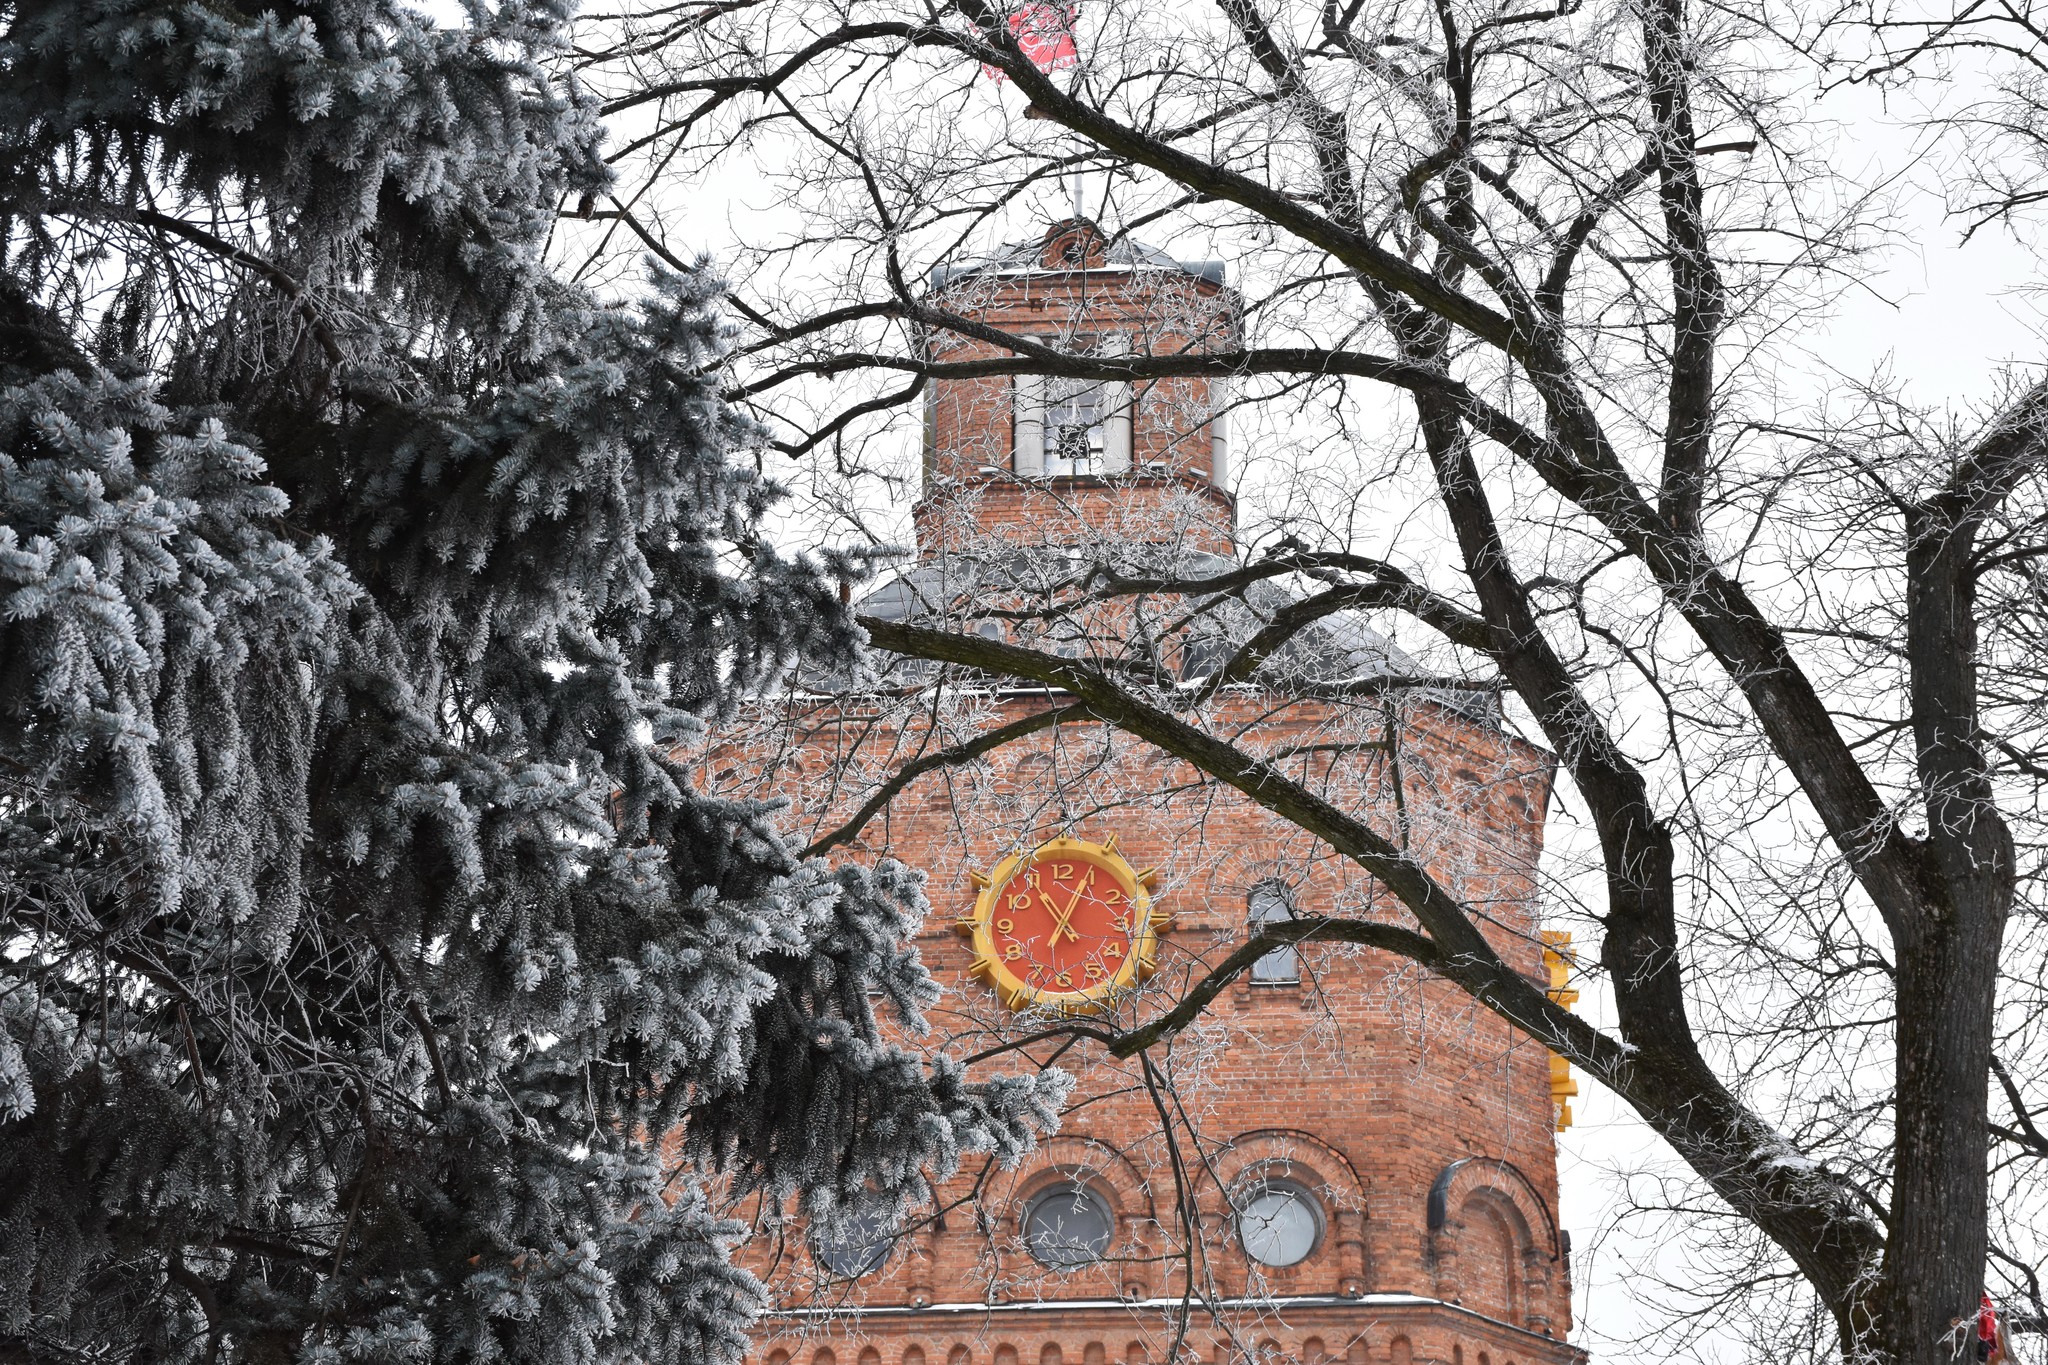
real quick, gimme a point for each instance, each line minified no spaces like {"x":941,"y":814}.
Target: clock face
{"x":1065,"y":926}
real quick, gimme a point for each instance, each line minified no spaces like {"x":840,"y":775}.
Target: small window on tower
{"x":1271,"y":903}
{"x":1073,"y":426}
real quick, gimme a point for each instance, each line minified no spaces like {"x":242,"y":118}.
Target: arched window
{"x":853,"y":1244}
{"x":1279,"y":1223}
{"x":1271,"y":903}
{"x":1068,"y":1225}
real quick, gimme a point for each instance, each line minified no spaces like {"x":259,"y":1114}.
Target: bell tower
{"x":1343,"y":1159}
{"x":1033,"y":454}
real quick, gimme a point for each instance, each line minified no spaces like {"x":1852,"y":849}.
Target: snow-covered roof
{"x":1341,"y":648}
{"x":1311,"y":1306}
{"x":1118,"y":251}
{"x":978,"y":1307}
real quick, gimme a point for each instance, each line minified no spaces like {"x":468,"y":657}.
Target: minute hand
{"x":1067,"y":917}
{"x":1060,"y":919}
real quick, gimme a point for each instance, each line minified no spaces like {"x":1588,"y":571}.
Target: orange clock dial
{"x":1065,"y":926}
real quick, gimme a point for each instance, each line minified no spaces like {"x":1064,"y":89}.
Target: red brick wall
{"x":1371,"y":1330}
{"x":1181,"y":509}
{"x":1367,"y":1080}
{"x":969,"y":425}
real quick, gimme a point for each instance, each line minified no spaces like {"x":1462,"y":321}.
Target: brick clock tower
{"x":1343,"y":1160}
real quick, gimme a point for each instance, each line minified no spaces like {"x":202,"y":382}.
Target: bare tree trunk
{"x":1948,"y":953}
{"x":1934,"y":1260}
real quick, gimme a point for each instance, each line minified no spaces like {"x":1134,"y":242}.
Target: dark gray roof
{"x":1341,"y":648}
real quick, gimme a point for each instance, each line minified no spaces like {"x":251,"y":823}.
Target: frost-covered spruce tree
{"x":357,"y":577}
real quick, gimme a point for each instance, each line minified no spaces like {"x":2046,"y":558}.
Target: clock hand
{"x":1066,"y":918}
{"x":1059,"y":919}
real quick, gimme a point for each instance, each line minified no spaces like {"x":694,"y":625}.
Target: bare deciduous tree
{"x":1522,"y":292}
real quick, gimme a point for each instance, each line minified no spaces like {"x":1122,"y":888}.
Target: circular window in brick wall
{"x":1279,"y":1223}
{"x":1068,"y":1225}
{"x":854,"y":1245}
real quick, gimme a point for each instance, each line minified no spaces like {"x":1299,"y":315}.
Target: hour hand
{"x":1061,"y":921}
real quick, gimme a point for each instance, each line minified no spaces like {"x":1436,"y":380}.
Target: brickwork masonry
{"x":1417,"y":1126}
{"x":1421,"y":1124}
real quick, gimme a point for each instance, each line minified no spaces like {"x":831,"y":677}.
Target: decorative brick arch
{"x":1299,"y":1155}
{"x":1029,"y":767}
{"x":1482,"y":1190}
{"x":1288,"y":1153}
{"x":1102,"y":1167}
{"x":1107,"y":1171}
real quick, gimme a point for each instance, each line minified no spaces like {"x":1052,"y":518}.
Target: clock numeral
{"x":1120,"y":923}
{"x":1065,"y":978}
{"x":1062,"y":871}
{"x":1004,"y":926}
{"x":1112,"y":950}
{"x":1020,"y":901}
{"x":1112,"y":897}
{"x":1095,"y":972}
{"x":1013,"y":952}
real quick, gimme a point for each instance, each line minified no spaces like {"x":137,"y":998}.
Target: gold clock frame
{"x":1016,"y":992}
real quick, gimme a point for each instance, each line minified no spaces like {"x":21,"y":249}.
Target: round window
{"x":1068,"y":1225}
{"x":854,"y":1244}
{"x":1279,"y":1223}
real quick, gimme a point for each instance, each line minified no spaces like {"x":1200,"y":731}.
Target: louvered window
{"x":1063,"y":426}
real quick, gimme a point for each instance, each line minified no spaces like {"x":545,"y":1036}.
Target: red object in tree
{"x":1990,"y":1336}
{"x":1045,"y":32}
